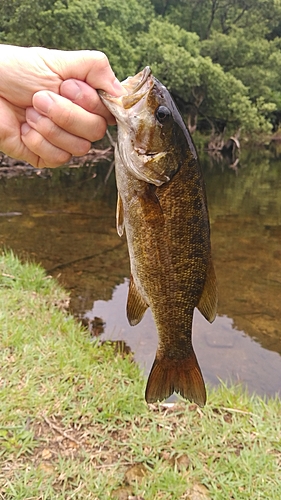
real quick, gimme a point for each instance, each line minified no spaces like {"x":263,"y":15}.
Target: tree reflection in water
{"x":67,"y":223}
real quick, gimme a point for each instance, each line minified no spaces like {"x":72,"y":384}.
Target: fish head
{"x":152,"y":137}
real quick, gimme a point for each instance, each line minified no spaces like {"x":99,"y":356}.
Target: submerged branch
{"x":81,"y":259}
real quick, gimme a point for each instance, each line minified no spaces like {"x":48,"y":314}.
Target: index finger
{"x":85,"y":96}
{"x":90,"y":66}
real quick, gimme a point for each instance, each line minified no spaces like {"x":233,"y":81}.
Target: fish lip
{"x":133,"y":85}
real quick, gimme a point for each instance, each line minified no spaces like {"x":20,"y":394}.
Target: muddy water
{"x":66,"y":221}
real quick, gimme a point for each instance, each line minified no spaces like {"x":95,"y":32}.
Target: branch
{"x":213,"y":13}
{"x":60,"y":431}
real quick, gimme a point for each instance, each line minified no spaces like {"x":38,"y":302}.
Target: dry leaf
{"x":48,"y":469}
{"x":182,"y":462}
{"x":135,"y":473}
{"x":197,"y":492}
{"x":122,"y":493}
{"x":46,"y":454}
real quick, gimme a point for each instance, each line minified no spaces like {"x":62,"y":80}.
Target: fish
{"x":162,"y":207}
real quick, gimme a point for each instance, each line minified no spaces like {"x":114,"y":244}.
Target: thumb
{"x":90,"y":66}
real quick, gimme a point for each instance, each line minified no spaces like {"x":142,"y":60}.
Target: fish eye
{"x":162,"y":113}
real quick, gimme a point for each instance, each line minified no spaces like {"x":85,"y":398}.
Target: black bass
{"x":162,"y":205}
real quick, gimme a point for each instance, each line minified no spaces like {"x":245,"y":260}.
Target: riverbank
{"x":74,"y":423}
{"x":103,"y":150}
{"x":10,"y":167}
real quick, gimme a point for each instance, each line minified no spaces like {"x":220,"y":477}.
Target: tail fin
{"x":180,"y":375}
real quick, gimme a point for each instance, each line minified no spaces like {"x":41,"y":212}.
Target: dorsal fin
{"x":119,"y":216}
{"x":209,"y":299}
{"x":136,"y":305}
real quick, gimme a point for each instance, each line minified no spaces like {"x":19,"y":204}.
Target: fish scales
{"x":162,"y":205}
{"x":171,"y":301}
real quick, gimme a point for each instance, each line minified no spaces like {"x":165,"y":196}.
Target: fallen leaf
{"x":46,"y":454}
{"x":166,"y":455}
{"x":135,"y":473}
{"x":48,"y":469}
{"x":182,"y":462}
{"x":122,"y":493}
{"x":197,"y":492}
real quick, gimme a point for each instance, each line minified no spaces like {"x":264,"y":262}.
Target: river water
{"x":65,"y":220}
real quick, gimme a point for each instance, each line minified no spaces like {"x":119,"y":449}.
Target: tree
{"x":201,"y":87}
{"x":205,"y":16}
{"x":219,"y":58}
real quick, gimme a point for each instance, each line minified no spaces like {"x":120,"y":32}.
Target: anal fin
{"x":136,"y":305}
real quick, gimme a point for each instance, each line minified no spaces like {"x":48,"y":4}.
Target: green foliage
{"x":172,"y":54}
{"x":103,"y":25}
{"x":201,"y":86}
{"x":221,"y":60}
{"x":205,"y":16}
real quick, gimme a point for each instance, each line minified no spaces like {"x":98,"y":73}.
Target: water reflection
{"x":246,"y":227}
{"x":224,"y":352}
{"x":66,"y":222}
{"x":68,"y":225}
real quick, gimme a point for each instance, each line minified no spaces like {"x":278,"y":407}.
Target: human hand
{"x":49,"y":107}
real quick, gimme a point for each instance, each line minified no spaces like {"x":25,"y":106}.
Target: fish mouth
{"x":136,"y":86}
{"x":133,"y":84}
{"x":135,"y":118}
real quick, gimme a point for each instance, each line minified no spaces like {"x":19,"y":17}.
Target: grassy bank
{"x":74,"y":424}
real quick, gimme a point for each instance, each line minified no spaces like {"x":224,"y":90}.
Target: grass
{"x":74,"y":424}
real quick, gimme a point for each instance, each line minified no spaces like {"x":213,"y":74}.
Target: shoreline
{"x":74,"y":423}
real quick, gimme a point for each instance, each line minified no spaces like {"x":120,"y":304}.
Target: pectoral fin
{"x":209,"y":299}
{"x":119,"y":216}
{"x":136,"y":306}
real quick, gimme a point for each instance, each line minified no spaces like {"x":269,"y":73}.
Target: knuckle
{"x":81,"y":148}
{"x":66,"y":118}
{"x":50,"y":130}
{"x":47,"y":155}
{"x":62,"y":157}
{"x":34,"y":141}
{"x":102,"y":60}
{"x":99,"y":131}
{"x":62,"y":117}
{"x":58,"y":159}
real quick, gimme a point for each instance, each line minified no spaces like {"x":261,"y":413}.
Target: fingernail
{"x":32,"y":115}
{"x":118,"y":87}
{"x":71,"y":90}
{"x":43,"y":102}
{"x":25,"y":128}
